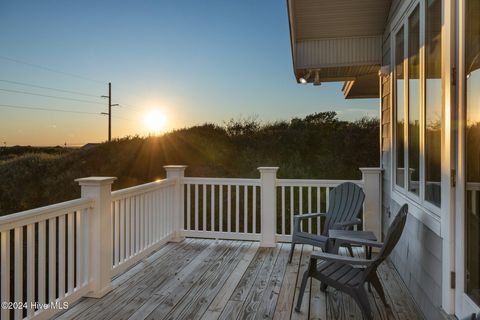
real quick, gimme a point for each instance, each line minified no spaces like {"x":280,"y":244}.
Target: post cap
{"x":371,"y":170}
{"x":95,"y":181}
{"x":266,"y":169}
{"x":175,"y":167}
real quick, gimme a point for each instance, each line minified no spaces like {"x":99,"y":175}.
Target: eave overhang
{"x":337,"y":40}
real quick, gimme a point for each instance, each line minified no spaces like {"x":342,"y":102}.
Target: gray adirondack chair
{"x":351,"y":274}
{"x":346,"y":202}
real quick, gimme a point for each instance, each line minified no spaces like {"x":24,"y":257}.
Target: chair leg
{"x":361,"y":298}
{"x":291,"y":252}
{"x":379,"y":288}
{"x":306,"y":275}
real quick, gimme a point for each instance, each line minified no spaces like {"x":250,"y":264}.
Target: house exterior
{"x":421,"y":58}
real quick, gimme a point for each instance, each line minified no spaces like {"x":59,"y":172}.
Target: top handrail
{"x":221,"y":181}
{"x":314,"y":182}
{"x":22,"y":218}
{"x":142,"y":188}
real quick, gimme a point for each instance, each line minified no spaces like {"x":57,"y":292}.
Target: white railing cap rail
{"x":43,"y":213}
{"x":314,"y":183}
{"x":221,"y":181}
{"x":142,"y":188}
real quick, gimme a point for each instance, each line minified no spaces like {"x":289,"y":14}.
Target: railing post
{"x":268,"y":205}
{"x":99,"y":233}
{"x":372,"y":207}
{"x":177,"y":173}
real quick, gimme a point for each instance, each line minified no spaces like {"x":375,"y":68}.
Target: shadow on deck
{"x":208,"y":279}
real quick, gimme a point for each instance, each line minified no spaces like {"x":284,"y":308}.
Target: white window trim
{"x":423,"y":210}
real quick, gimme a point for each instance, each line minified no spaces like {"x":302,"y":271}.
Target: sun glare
{"x":154,"y":121}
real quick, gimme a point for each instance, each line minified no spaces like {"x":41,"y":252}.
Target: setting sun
{"x":154,"y":121}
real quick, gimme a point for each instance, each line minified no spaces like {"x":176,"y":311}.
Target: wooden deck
{"x":208,"y":279}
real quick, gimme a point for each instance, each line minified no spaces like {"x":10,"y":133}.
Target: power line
{"x":49,"y":96}
{"x":49,"y":88}
{"x":50,"y":69}
{"x":56,"y":110}
{"x":46,"y":109}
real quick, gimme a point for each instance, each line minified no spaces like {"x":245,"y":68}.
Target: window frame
{"x":398,"y":192}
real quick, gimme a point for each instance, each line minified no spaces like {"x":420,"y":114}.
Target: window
{"x":472,"y":149}
{"x":414,"y":102}
{"x":433,"y":102}
{"x":417,"y":158}
{"x":399,"y":107}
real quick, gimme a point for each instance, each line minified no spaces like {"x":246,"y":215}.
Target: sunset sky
{"x":191,"y":61}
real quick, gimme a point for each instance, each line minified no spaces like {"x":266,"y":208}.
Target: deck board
{"x":226,"y":279}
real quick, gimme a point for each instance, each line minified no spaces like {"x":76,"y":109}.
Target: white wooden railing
{"x":44,"y":258}
{"x":57,"y":254}
{"x":141,"y":220}
{"x":297,"y":197}
{"x":222,"y":208}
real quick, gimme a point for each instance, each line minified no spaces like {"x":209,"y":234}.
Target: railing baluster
{"x":291,"y":209}
{"x":318,"y":209}
{"x":121,"y":214}
{"x":18,"y":290}
{"x":212,"y":207}
{"x":79,"y":249}
{"x":164,"y":213}
{"x":147,"y":220}
{"x":196,"y":207}
{"x":127,"y":228}
{"x":142,"y":222}
{"x":245,"y":209}
{"x":41,"y":261}
{"x":86,"y":216}
{"x":116,"y":224}
{"x":132,"y":226}
{"x":137,"y":224}
{"x":282,"y":204}
{"x":204,"y":208}
{"x":309,"y":195}
{"x":229,"y":208}
{"x":70,"y":252}
{"x":254,"y":210}
{"x":52,"y":261}
{"x":61,"y":256}
{"x":220,"y":208}
{"x":189,"y":213}
{"x":237,"y":208}
{"x":153,"y":219}
{"x":5,"y":272}
{"x":30,"y":268}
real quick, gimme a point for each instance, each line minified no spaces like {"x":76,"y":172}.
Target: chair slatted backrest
{"x":345,"y":204}
{"x":391,"y":239}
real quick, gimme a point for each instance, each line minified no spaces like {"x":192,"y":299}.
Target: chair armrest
{"x":353,"y":240}
{"x":350,"y":223}
{"x":300,"y":217}
{"x":338,"y":258}
{"x":308,"y":216}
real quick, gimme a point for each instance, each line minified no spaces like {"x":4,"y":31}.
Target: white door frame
{"x":464,"y":306}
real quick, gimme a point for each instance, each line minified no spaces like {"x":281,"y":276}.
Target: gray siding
{"x":418,"y":255}
{"x":418,"y":260}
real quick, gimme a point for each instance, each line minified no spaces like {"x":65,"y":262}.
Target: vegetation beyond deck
{"x":208,"y":279}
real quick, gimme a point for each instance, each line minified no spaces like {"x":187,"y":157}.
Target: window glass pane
{"x":399,"y":107}
{"x":414,"y":102}
{"x":472,"y":144}
{"x":433,"y":101}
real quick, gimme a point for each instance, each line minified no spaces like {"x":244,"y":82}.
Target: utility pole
{"x":110,"y":105}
